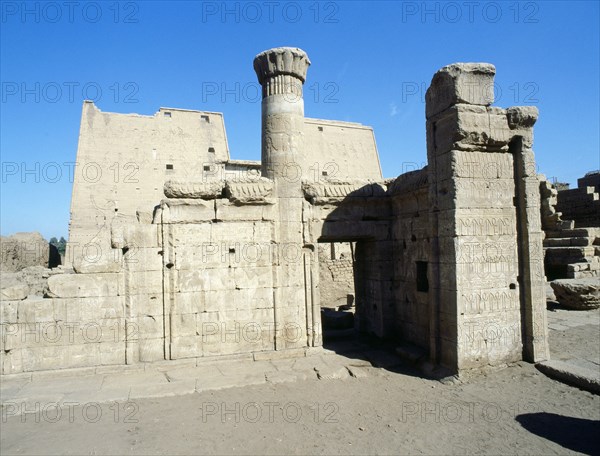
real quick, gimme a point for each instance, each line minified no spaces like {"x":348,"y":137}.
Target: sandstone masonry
{"x":176,"y":251}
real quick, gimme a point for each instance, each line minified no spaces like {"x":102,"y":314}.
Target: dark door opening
{"x":338,"y":296}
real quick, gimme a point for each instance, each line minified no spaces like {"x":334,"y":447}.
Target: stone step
{"x":568,"y":242}
{"x":576,"y":232}
{"x":582,"y":274}
{"x":565,"y":225}
{"x":571,"y":374}
{"x":577,"y":267}
{"x":568,"y":206}
{"x":587,"y":251}
{"x":576,"y":192}
{"x":568,"y":255}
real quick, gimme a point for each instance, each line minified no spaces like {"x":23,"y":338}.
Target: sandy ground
{"x":515,"y":410}
{"x":574,"y":336}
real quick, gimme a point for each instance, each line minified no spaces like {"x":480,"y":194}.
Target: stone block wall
{"x":487,"y":275}
{"x":582,"y":204}
{"x":357,"y":211}
{"x":81,"y":325}
{"x":197,"y":282}
{"x":336,"y":273}
{"x":219,"y":281}
{"x":411,"y":234}
{"x":123,"y":161}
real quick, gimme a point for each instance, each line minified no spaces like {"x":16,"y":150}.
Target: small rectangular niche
{"x":422,"y":282}
{"x":211,"y":150}
{"x":320,"y":128}
{"x":205,"y":119}
{"x":206,"y":167}
{"x":167,"y":114}
{"x":169,"y":166}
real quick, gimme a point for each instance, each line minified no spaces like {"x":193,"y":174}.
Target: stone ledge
{"x":580,"y":377}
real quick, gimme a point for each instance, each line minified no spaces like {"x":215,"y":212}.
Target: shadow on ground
{"x":380,"y":353}
{"x":575,"y":434}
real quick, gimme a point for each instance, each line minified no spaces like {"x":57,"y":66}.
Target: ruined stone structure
{"x":582,"y":204}
{"x":572,"y":247}
{"x":189,"y":254}
{"x":23,"y":250}
{"x":571,"y":250}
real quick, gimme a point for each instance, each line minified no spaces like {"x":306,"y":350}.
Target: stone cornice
{"x":256,"y":191}
{"x":331,"y":192}
{"x":195,"y":190}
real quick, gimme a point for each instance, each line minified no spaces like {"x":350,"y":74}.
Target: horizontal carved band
{"x":283,"y":84}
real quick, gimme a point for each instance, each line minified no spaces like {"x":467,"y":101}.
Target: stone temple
{"x":177,"y":251}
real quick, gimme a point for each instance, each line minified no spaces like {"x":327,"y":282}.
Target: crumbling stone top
{"x":281,"y":60}
{"x":522,"y":116}
{"x":456,"y":69}
{"x":469,"y":83}
{"x":409,"y":182}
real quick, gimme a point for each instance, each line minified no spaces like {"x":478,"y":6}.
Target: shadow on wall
{"x":360,"y":212}
{"x":357,"y":212}
{"x":576,"y":434}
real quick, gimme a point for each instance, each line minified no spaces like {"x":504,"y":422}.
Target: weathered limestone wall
{"x":80,"y":324}
{"x":123,"y":161}
{"x":488,"y":303}
{"x":551,"y":219}
{"x":218,"y":283}
{"x":411,"y":234}
{"x":339,"y":150}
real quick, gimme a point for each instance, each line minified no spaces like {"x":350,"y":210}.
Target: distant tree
{"x":61,"y":245}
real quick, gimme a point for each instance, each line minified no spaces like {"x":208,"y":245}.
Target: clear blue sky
{"x":371,"y":63}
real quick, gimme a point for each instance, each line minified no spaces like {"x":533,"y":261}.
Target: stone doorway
{"x":337,"y":286}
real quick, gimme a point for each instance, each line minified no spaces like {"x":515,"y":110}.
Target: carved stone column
{"x":282,"y":72}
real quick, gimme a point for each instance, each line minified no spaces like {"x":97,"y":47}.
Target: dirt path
{"x":516,"y":410}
